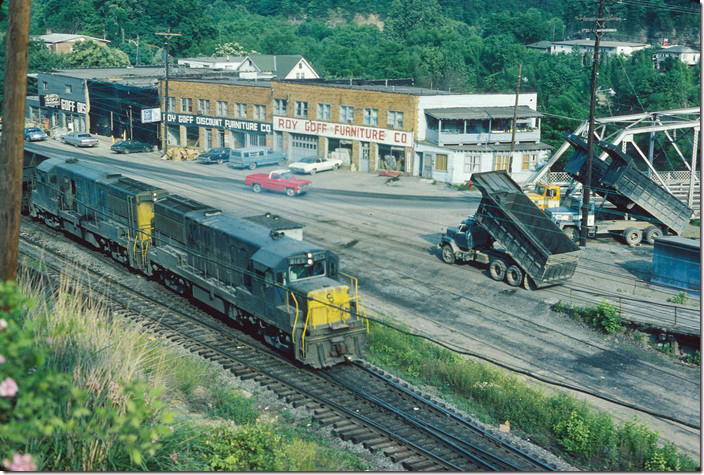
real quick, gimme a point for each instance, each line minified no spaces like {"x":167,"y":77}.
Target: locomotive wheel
{"x":651,"y":233}
{"x":256,"y":188}
{"x":497,"y":269}
{"x":290,"y":192}
{"x":448,"y":255}
{"x":514,"y":275}
{"x":632,"y":236}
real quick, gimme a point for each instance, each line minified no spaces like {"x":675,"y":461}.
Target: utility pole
{"x":513,"y":126}
{"x":167,"y":39}
{"x":136,"y":43}
{"x":598,"y":31}
{"x":12,"y":147}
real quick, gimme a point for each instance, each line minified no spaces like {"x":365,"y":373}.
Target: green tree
{"x":90,"y":54}
{"x":408,"y":16}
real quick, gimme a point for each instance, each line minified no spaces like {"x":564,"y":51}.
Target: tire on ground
{"x":448,"y":255}
{"x":632,"y":236}
{"x":514,"y":275}
{"x":497,"y":269}
{"x":290,"y":192}
{"x":651,"y":233}
{"x":256,"y":187}
{"x":572,"y":232}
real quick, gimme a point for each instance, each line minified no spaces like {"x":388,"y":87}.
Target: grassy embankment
{"x":80,"y":393}
{"x":587,"y":438}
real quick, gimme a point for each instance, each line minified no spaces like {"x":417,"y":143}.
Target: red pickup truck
{"x":282,"y":181}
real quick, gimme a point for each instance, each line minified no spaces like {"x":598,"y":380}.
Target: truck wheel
{"x":252,"y":166}
{"x":514,"y":275}
{"x":256,"y":188}
{"x":497,"y":269}
{"x":529,"y":283}
{"x":651,"y":233}
{"x":632,"y":236}
{"x":448,"y":255}
{"x":290,"y":192}
{"x":572,"y":233}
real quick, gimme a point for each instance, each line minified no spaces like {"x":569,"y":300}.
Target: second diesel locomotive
{"x":291,"y":291}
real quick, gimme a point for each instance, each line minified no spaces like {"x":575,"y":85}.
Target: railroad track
{"x":360,"y":402}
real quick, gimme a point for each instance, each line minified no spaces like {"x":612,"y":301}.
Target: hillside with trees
{"x":458,"y":45}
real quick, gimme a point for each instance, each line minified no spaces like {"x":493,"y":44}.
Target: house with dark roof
{"x":541,"y":46}
{"x":276,"y":66}
{"x":687,"y":55}
{"x":63,"y":42}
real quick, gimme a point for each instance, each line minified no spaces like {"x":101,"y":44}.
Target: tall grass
{"x":586,"y":437}
{"x":114,"y":409}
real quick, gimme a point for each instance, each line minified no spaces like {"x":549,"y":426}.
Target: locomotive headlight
{"x":310,"y":258}
{"x":310,"y":262}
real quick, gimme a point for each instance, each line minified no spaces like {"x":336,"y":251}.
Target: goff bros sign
{"x":344,"y":131}
{"x":231,"y":124}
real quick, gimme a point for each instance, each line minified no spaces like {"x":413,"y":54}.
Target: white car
{"x":315,"y":164}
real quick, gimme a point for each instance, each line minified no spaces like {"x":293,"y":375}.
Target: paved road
{"x":385,"y":235}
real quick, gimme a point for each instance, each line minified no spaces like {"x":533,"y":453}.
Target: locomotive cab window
{"x":303,"y":271}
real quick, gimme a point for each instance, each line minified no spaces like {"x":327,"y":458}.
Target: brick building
{"x":371,"y":125}
{"x":217,"y":112}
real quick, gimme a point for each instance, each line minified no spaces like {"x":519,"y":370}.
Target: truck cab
{"x":545,"y":196}
{"x":568,"y":217}
{"x":460,"y":241}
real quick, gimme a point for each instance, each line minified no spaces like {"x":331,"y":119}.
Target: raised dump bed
{"x":532,"y":239}
{"x":650,"y":198}
{"x":576,"y":167}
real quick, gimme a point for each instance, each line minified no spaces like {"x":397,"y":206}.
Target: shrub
{"x":573,"y":434}
{"x":681,"y":298}
{"x":604,"y":317}
{"x":244,"y":448}
{"x":232,"y":406}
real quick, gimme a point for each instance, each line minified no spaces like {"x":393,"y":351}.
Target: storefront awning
{"x":479,"y":113}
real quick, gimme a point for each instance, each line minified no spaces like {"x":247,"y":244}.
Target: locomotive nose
{"x":329,"y":306}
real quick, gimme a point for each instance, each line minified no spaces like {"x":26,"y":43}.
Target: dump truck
{"x":510,"y":234}
{"x":643,"y":209}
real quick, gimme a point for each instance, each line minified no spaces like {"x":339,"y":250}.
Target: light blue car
{"x":253,"y":157}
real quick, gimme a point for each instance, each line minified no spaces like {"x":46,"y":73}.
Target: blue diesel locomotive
{"x":291,"y":291}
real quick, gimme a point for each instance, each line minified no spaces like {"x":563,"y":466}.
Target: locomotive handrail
{"x":303,"y":336}
{"x":295,"y":320}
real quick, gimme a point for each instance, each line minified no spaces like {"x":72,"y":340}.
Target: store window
{"x":394,"y":120}
{"x":173,"y":135}
{"x":501,"y":162}
{"x":347,"y":114}
{"x":371,"y":116}
{"x":203,"y":106}
{"x":186,"y":105}
{"x":471,"y":163}
{"x":529,"y":161}
{"x":280,"y":106}
{"x":440,"y":162}
{"x":45,"y":85}
{"x":221,"y":108}
{"x":241,"y":110}
{"x":324,"y":112}
{"x":259,"y":112}
{"x":301,"y":109}
{"x":192,"y":136}
{"x":170,"y":104}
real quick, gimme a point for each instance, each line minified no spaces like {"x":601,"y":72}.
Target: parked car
{"x":32,"y":134}
{"x":216,"y":155}
{"x":79,"y":139}
{"x":127,"y":146}
{"x":315,"y":164}
{"x":282,"y":181}
{"x":253,"y":157}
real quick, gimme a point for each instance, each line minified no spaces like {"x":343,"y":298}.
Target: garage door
{"x":303,"y":146}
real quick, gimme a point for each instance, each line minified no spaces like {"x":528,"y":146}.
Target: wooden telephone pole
{"x":12,"y":147}
{"x":598,"y":31}
{"x":167,"y":42}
